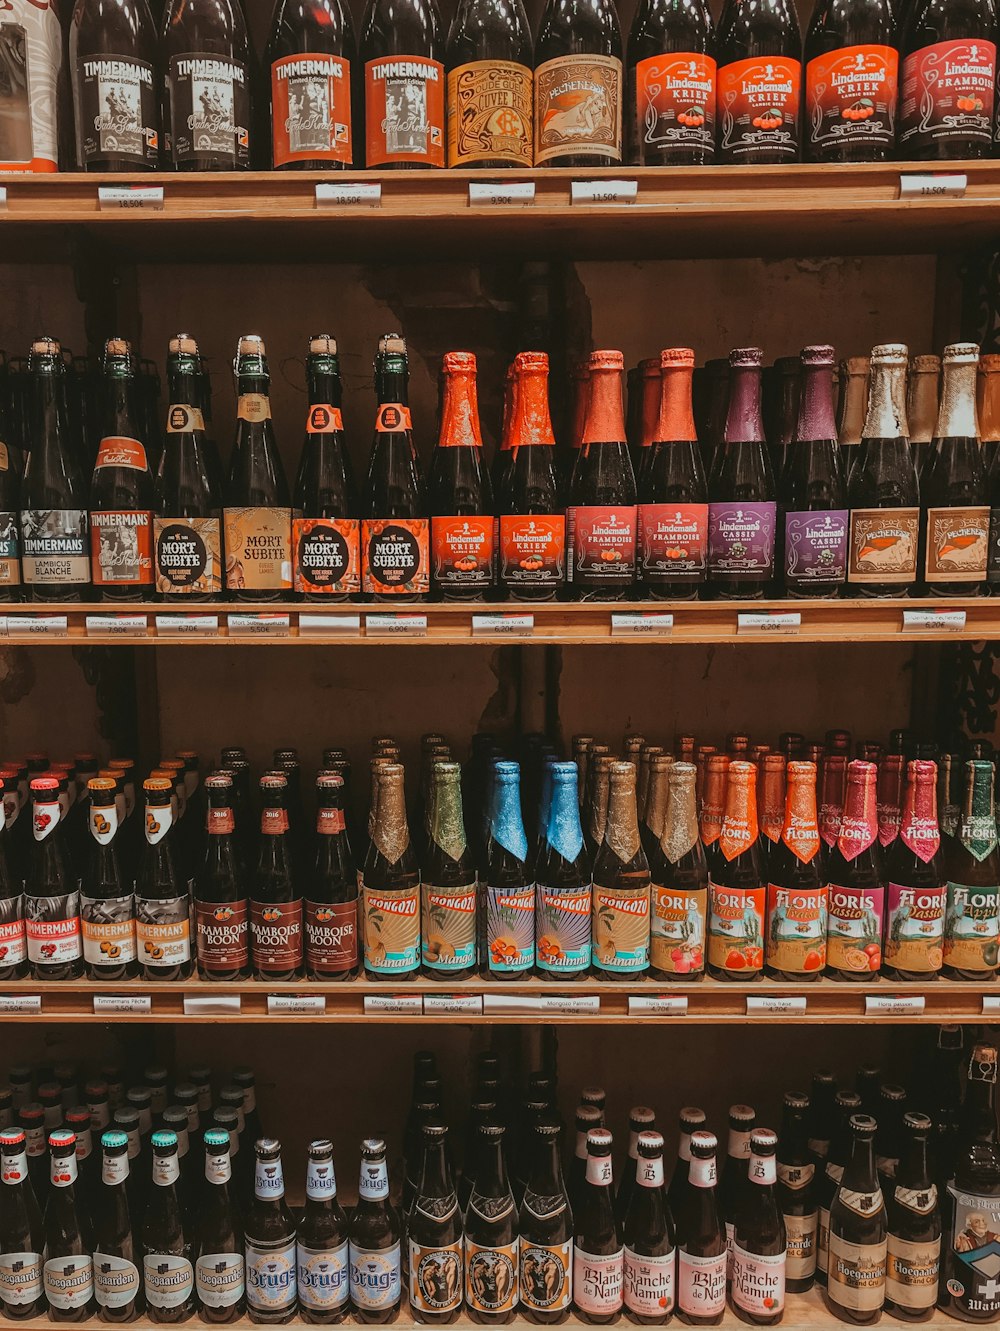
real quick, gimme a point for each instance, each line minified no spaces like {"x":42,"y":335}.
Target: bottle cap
{"x":183,"y":345}
{"x":458,"y":362}
{"x":639,"y":1115}
{"x":44,"y":784}
{"x":961,"y":353}
{"x":218,"y":781}
{"x":162,"y":1140}
{"x":741,"y":1115}
{"x":862,"y":1125}
{"x":322,"y":344}
{"x":61,"y":1140}
{"x":599,"y":1141}
{"x":216,"y":1138}
{"x":11,"y":1138}
{"x":322,"y":1146}
{"x":691,"y":1118}
{"x":817,"y":356}
{"x":114,"y":1140}
{"x":273,"y":781}
{"x":890,"y":353}
{"x":157,"y":784}
{"x":763,"y":1141}
{"x":746,"y":357}
{"x":796,"y":1100}
{"x":649,"y":1145}
{"x":703,"y":1144}
{"x":606,"y":360}
{"x":677,"y":358}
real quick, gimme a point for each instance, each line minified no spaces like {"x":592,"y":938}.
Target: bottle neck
{"x":182,"y":379}
{"x":739,"y":825}
{"x":859,"y":823}
{"x":621,"y":830}
{"x":800,"y":832}
{"x":391,"y":379}
{"x":435,"y":1176}
{"x":859,"y":1174}
{"x":506,"y":822}
{"x":919,"y":827}
{"x":676,"y":419}
{"x":447,"y":826}
{"x":391,"y":833}
{"x":531,"y":424}
{"x":605,"y":423}
{"x":816,"y":418}
{"x":744,"y":422}
{"x":564,"y":833}
{"x":886,"y":416}
{"x":957,"y":412}
{"x":460,"y":412}
{"x":680,"y":828}
{"x":657,"y":799}
{"x":324,"y":386}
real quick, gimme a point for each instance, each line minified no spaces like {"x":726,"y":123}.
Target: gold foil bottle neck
{"x":680,"y":832}
{"x":658,"y":794}
{"x":391,"y":834}
{"x":622,"y":831}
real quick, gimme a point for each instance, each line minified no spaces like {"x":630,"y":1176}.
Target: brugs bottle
{"x":22,"y":1240}
{"x":736,"y":890}
{"x":321,"y":1245}
{"x":648,"y":1237}
{"x":107,"y":903}
{"x":269,"y":1240}
{"x":402,"y":50}
{"x":598,"y":1252}
{"x":331,"y":900}
{"x":162,"y":899}
{"x":434,"y":1228}
{"x":221,"y":906}
{"x":546,"y":1229}
{"x":207,"y":73}
{"x":491,"y":1233}
{"x":621,"y":885}
{"x":972,"y":861}
{"x":390,"y":889}
{"x":679,"y":872}
{"x":219,"y":1268}
{"x":311,"y":57}
{"x":759,"y":1242}
{"x":948,"y":80}
{"x":797,"y":891}
{"x":855,"y":1287}
{"x":852,"y":68}
{"x":578,"y":85}
{"x":857,"y":882}
{"x":917,"y":895}
{"x":373,"y":1247}
{"x":275,"y":894}
{"x":507,"y":934}
{"x":112,"y":62}
{"x":52,"y":891}
{"x":68,"y":1272}
{"x":489,"y":86}
{"x":701,"y":1239}
{"x":167,"y":1270}
{"x":760,"y":82}
{"x":448,"y":883}
{"x":797,"y":1194}
{"x":914,"y":1225}
{"x":563,"y":895}
{"x":671,"y":79}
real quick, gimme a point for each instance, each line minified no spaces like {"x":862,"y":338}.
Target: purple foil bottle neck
{"x":816,"y":418}
{"x":744,"y":420}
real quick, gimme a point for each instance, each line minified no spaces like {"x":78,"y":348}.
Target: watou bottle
{"x":578,"y":85}
{"x":650,"y":1256}
{"x":855,"y":1287}
{"x":107,"y":902}
{"x":671,"y":85}
{"x":435,"y":1235}
{"x":219,"y":1268}
{"x":167,"y":1251}
{"x":621,"y":886}
{"x":797,"y":1193}
{"x":759,"y":1242}
{"x":563,"y":892}
{"x":390,"y":889}
{"x":972,"y":863}
{"x":856,"y":882}
{"x":701,"y":1239}
{"x":162,"y":898}
{"x":311,"y":59}
{"x":760,"y":82}
{"x":489,"y":58}
{"x":276,"y":891}
{"x":507,"y":906}
{"x":207,"y":69}
{"x":947,"y":81}
{"x":51,"y":896}
{"x":491,"y":1233}
{"x":321,"y":1244}
{"x":852,"y":68}
{"x":112,"y":66}
{"x":22,"y":1240}
{"x":374,"y":1242}
{"x":402,"y":51}
{"x":795,"y":947}
{"x":331,"y":890}
{"x":679,"y":876}
{"x":917,"y":888}
{"x":914,"y":1225}
{"x":736,"y":889}
{"x":546,"y":1228}
{"x":68,"y":1270}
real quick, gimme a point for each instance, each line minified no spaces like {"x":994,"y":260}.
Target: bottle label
{"x":648,"y":1283}
{"x":69,"y":1281}
{"x":116,"y":1281}
{"x":563,"y":929}
{"x":856,"y":1274}
{"x":578,"y":108}
{"x":404,"y":110}
{"x":331,"y":935}
{"x":31,"y":143}
{"x":188,"y":555}
{"x":376,"y":1279}
{"x":20,"y":1278}
{"x":209,"y":110}
{"x":759,"y":108}
{"x":701,"y":1284}
{"x":120,"y":451}
{"x":395,"y":556}
{"x":56,"y":546}
{"x":182,"y":418}
{"x":740,"y":540}
{"x":10,"y":550}
{"x":392,"y":417}
{"x":322,"y":1277}
{"x":391,"y":923}
{"x":911,"y":1278}
{"x":490,"y":1277}
{"x":993,"y":560}
{"x":758,"y":1282}
{"x":489,"y":113}
{"x":796,"y":929}
{"x":546,"y":1275}
{"x":108,"y":928}
{"x":597,"y":1281}
{"x":947,"y":94}
{"x":736,"y":928}
{"x":222,"y":929}
{"x":677,"y":944}
{"x":373,"y":1183}
{"x":975,"y":1234}
{"x":533,"y":549}
{"x":675,"y":102}
{"x":914,"y":928}
{"x":52,"y":926}
{"x":114,"y":1169}
{"x":972,"y":928}
{"x":276,"y":934}
{"x":621,"y":929}
{"x":957,"y":544}
{"x":448,"y":927}
{"x":14,"y":940}
{"x":800,"y":1236}
{"x":883,"y":545}
{"x":463,"y":552}
{"x":510,"y":928}
{"x":311,"y":109}
{"x":219,"y":1279}
{"x":851,"y":97}
{"x":601,"y":544}
{"x":673,"y":538}
{"x":258,"y":549}
{"x":327,"y":555}
{"x":273,"y":821}
{"x":854,"y":931}
{"x":816,"y":547}
{"x":270,"y":1276}
{"x":163,"y":930}
{"x":435,"y":1278}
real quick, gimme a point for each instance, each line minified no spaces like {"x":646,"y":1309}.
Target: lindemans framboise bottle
{"x":112,"y":65}
{"x":972,"y":861}
{"x":578,"y":85}
{"x":671,"y":82}
{"x":679,"y":872}
{"x":208,"y":69}
{"x":948,"y":80}
{"x":852,"y":69}
{"x":795,"y":947}
{"x":736,"y":888}
{"x":310,"y":61}
{"x":857,"y":883}
{"x":402,"y":51}
{"x":489,"y":62}
{"x":760,"y":82}
{"x":917,"y":893}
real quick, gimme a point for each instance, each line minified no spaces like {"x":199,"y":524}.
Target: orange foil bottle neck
{"x":460,"y":409}
{"x":531,"y":423}
{"x":510,"y":390}
{"x":581,"y":401}
{"x":676,"y":419}
{"x":605,"y":423}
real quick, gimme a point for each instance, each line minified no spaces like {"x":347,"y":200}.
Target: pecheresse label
{"x":578,"y":108}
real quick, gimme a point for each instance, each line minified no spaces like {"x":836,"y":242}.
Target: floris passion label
{"x":947,"y":93}
{"x":404,"y":111}
{"x":736,"y":928}
{"x":311,"y":109}
{"x":673,"y":542}
{"x":258,"y":549}
{"x":578,"y":108}
{"x":462,"y":550}
{"x":854,"y":929}
{"x":759,"y":107}
{"x":915,"y":928}
{"x":851,"y":97}
{"x":326,"y":556}
{"x":675,"y":101}
{"x":602,"y":545}
{"x":533,"y":550}
{"x":489,"y":113}
{"x":883,"y":545}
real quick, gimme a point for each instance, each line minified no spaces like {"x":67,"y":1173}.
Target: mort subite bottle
{"x":857,"y":882}
{"x":852,"y":67}
{"x":621,"y":885}
{"x":679,"y":876}
{"x":736,"y":890}
{"x":797,"y":1193}
{"x":275,"y":893}
{"x":207,"y":68}
{"x":760,"y":82}
{"x":507,"y":906}
{"x":311,"y":57}
{"x":390,"y":889}
{"x":448,"y":883}
{"x":434,"y":1232}
{"x":917,"y":894}
{"x":855,"y":1286}
{"x":221,"y":900}
{"x":914,"y":1228}
{"x":701,"y":1238}
{"x":489,"y":60}
{"x":795,"y":947}
{"x":269,"y":1240}
{"x":671,"y":85}
{"x":947,"y":82}
{"x":219,"y":1268}
{"x":402,"y":50}
{"x":321,"y":1243}
{"x":972,"y":863}
{"x":112,"y":65}
{"x":578,"y":85}
{"x":374,"y":1242}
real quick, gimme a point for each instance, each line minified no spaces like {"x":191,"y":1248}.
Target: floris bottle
{"x":917,"y":890}
{"x":972,"y":918}
{"x":402,"y":49}
{"x":797,"y":890}
{"x":207,"y":68}
{"x":671,"y":84}
{"x":311,"y":57}
{"x":857,"y":883}
{"x":736,"y":891}
{"x":948,"y":80}
{"x":489,"y":85}
{"x":621,"y":886}
{"x":852,"y":69}
{"x":578,"y":85}
{"x":112,"y":62}
{"x":679,"y":872}
{"x":760,"y":83}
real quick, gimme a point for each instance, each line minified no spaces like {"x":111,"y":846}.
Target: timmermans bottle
{"x":402,"y":51}
{"x":207,"y":67}
{"x":112,"y":65}
{"x":310,"y":61}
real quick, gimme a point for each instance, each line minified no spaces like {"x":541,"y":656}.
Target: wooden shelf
{"x":677,"y":212}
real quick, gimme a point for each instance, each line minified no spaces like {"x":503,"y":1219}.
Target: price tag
{"x":396,"y":625}
{"x":346,"y":626}
{"x":991,"y":1003}
{"x":453,"y":1003}
{"x":488,"y":194}
{"x":769,"y":621}
{"x":894,"y":1003}
{"x":259,"y":626}
{"x":604,"y":191}
{"x":123,"y":1003}
{"x":502,"y":626}
{"x":513,"y":1003}
{"x":119,"y":626}
{"x":409,"y":1003}
{"x":147,"y":197}
{"x":3,"y":198}
{"x":924,"y":185}
{"x":36,"y":626}
{"x":215,"y":1006}
{"x":20,"y":1002}
{"x":187,"y":626}
{"x":933,"y":621}
{"x":349,"y":194}
{"x":775,"y":1003}
{"x":632,"y":623}
{"x":279,"y":1003}
{"x":657,"y":1005}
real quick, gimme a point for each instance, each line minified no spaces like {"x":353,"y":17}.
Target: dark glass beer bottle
{"x":586,"y":1117}
{"x":207,"y":67}
{"x":331,"y":892}
{"x":736,"y":890}
{"x":852,"y":68}
{"x":275,"y":893}
{"x":269,"y":1240}
{"x":671,"y":77}
{"x":112,"y":65}
{"x":855,"y":1287}
{"x":759,"y":1243}
{"x":833,"y":795}
{"x":598,"y":1253}
{"x":489,"y":59}
{"x":679,"y":874}
{"x":621,"y":886}
{"x":797,"y":1193}
{"x":947,"y":81}
{"x":373,"y":1242}
{"x":311,"y":58}
{"x":972,"y":861}
{"x":107,"y":903}
{"x":648,"y":1236}
{"x":889,"y":797}
{"x":11,"y":477}
{"x":578,"y":85}
{"x":321,"y":1246}
{"x":434,"y":1230}
{"x":221,"y":907}
{"x":68,"y":1271}
{"x":795,"y":947}
{"x":917,"y":895}
{"x":546,"y":1229}
{"x":691,"y":1120}
{"x":857,"y":882}
{"x":219,"y":1267}
{"x":742,"y":1119}
{"x":448,"y":883}
{"x":701,"y":1239}
{"x":914,"y":1225}
{"x":491,"y":1233}
{"x":760,"y":83}
{"x":390,"y":890}
{"x":507,"y":926}
{"x":167,"y":1270}
{"x":402,"y":50}
{"x":52,"y":895}
{"x":564,"y":891}
{"x":923,"y":383}
{"x":640,"y":1119}
{"x":22,"y":1240}
{"x":162,"y":899}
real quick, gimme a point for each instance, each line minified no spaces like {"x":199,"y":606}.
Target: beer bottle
{"x":390,"y":891}
{"x":596,"y":796}
{"x":117,"y":1282}
{"x":701,"y":1239}
{"x":621,"y":885}
{"x":207,"y":68}
{"x":578,"y":64}
{"x":563,"y":895}
{"x":833,"y":796}
{"x":55,"y":557}
{"x":68,"y":1273}
{"x":691,"y":1120}
{"x":167,"y":1272}
{"x":31,"y":1120}
{"x":917,"y":886}
{"x":402,"y":50}
{"x":736,"y":892}
{"x":218,"y":1241}
{"x":598,"y":1253}
{"x":648,"y":1236}
{"x":482,"y":1110}
{"x":325,"y":530}
{"x":112,"y":58}
{"x":546,"y":1229}
{"x":711,"y":800}
{"x":852,"y":68}
{"x":275,"y":893}
{"x":857,"y":882}
{"x":22,"y":1240}
{"x":13,"y":940}
{"x":759,"y":1243}
{"x":311,"y":55}
{"x":882,"y":488}
{"x":321,"y":1247}
{"x":855,"y":1287}
{"x":987,"y":405}
{"x":269,"y":1240}
{"x":460,"y":496}
{"x":489,"y":60}
{"x":52,"y":897}
{"x":491,"y":1234}
{"x":331,"y":903}
{"x":945,"y":119}
{"x":797,"y":1193}
{"x":435,"y":1235}
{"x":922,"y":406}
{"x":914,"y":1229}
{"x":972,"y":918}
{"x":107,"y":905}
{"x":741,"y":494}
{"x":373,"y":1246}
{"x":586,"y":1117}
{"x":679,"y":873}
{"x":258,"y":511}
{"x":448,"y":891}
{"x":889,"y":797}
{"x":11,"y":475}
{"x":163,"y":901}
{"x":507,"y":947}
{"x":797,"y":890}
{"x":671,"y":76}
{"x":220,"y":892}
{"x":640,"y":1119}
{"x":949,"y":797}
{"x":944,"y":1101}
{"x":760,"y":83}
{"x":742,"y":1119}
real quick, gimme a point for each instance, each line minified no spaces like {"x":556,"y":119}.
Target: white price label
{"x":3,"y":198}
{"x":934,"y":621}
{"x":409,"y":1003}
{"x":657,"y":1005}
{"x":894,"y":1003}
{"x":36,"y":626}
{"x":991,"y":1003}
{"x":631,"y":623}
{"x":344,"y":626}
{"x":266,"y":625}
{"x":147,"y":197}
{"x":926,"y":185}
{"x":119,"y":626}
{"x":604,"y":191}
{"x":775,"y":1003}
{"x":283,"y":1003}
{"x":396,"y":625}
{"x":453,"y":1003}
{"x":187,"y":626}
{"x":217,"y":1005}
{"x":769,"y":621}
{"x":488,"y":194}
{"x":123,"y":1003}
{"x":514,"y":1003}
{"x":20,"y":1002}
{"x":349,"y":194}
{"x":502,"y":626}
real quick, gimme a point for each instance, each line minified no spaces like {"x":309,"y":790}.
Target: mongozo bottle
{"x":219,"y":1267}
{"x":162,"y":899}
{"x":220,"y":891}
{"x":373,"y":1248}
{"x":68,"y":1272}
{"x":972,"y":861}
{"x":448,"y":883}
{"x":491,"y":1233}
{"x":331,"y":891}
{"x":797,"y":1194}
{"x":917,"y":890}
{"x":621,"y":886}
{"x":326,"y":558}
{"x":321,"y":1244}
{"x":648,"y":1236}
{"x":434,"y":1229}
{"x":275,"y":893}
{"x":206,"y":60}
{"x":759,"y":1256}
{"x":112,"y":58}
{"x":578,"y":85}
{"x":948,"y":81}
{"x":107,"y":903}
{"x":855,"y":1286}
{"x":269,"y":1241}
{"x":601,"y":517}
{"x":671,"y":85}
{"x":52,"y":892}
{"x":760,"y":82}
{"x":797,"y":892}
{"x":701,"y":1239}
{"x":402,"y":49}
{"x":563,"y":894}
{"x":857,"y":883}
{"x":311,"y":56}
{"x":390,"y":888}
{"x":851,"y":75}
{"x":546,"y":1229}
{"x":34,"y":51}
{"x":22,"y":1240}
{"x":598,"y":1253}
{"x":736,"y":890}
{"x":914,"y":1224}
{"x":489,"y":86}
{"x":507,"y":934}
{"x":882,"y":488}
{"x":741,"y":495}
{"x":679,"y":874}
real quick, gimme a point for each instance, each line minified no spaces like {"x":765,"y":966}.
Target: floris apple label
{"x":578,"y":108}
{"x":947,"y":94}
{"x":972,"y":928}
{"x":311,"y":109}
{"x":258,"y":549}
{"x":621,"y":929}
{"x":489,"y":113}
{"x":851,"y":97}
{"x":736,"y":929}
{"x":957,"y":543}
{"x":448,"y":927}
{"x":759,"y":108}
{"x":391,"y":924}
{"x":673,"y":542}
{"x":562,"y":925}
{"x":510,"y":929}
{"x":601,"y":542}
{"x":404,"y":111}
{"x":395,"y":556}
{"x":915,"y":928}
{"x":533,"y":550}
{"x":883,"y":545}
{"x":462,"y":551}
{"x":854,"y":929}
{"x":326,"y":556}
{"x":188,"y":553}
{"x":740,"y":540}
{"x":677,"y":942}
{"x":121,"y":548}
{"x":816,"y":547}
{"x":222,"y":931}
{"x":675,"y":101}
{"x":796,"y":929}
